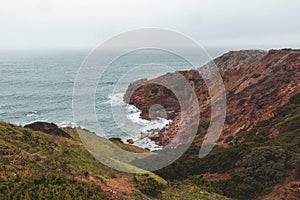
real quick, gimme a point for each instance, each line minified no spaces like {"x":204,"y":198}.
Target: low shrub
{"x":257,"y":173}
{"x":255,"y":75}
{"x":150,"y":184}
{"x":295,"y":99}
{"x":48,"y":186}
{"x":298,"y":169}
{"x":229,"y":139}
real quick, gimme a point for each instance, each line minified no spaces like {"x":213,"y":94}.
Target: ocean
{"x":38,"y":86}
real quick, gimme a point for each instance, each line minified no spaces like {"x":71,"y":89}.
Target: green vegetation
{"x":298,"y":168}
{"x":167,"y":91}
{"x":36,"y":165}
{"x":179,"y":190}
{"x":154,"y":90}
{"x":150,"y":184}
{"x":229,"y":139}
{"x":189,"y":191}
{"x":257,"y":173}
{"x":255,"y":75}
{"x":128,"y":147}
{"x":275,"y":69}
{"x":255,"y":165}
{"x":50,"y":186}
{"x":23,"y":149}
{"x":295,"y":99}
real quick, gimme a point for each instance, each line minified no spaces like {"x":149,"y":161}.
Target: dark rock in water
{"x":49,"y":128}
{"x":130,"y":141}
{"x":116,"y":140}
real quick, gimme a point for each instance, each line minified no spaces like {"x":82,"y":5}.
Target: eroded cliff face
{"x":256,"y":84}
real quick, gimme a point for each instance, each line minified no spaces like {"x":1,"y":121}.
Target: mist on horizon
{"x":50,"y":24}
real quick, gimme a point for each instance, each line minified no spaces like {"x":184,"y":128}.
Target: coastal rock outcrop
{"x":256,"y":84}
{"x":49,"y":128}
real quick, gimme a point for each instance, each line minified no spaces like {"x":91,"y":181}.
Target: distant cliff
{"x":256,"y":83}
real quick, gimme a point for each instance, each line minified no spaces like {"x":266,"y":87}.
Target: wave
{"x":67,"y":124}
{"x":114,"y":99}
{"x":132,"y":113}
{"x":32,"y":114}
{"x":147,"y":127}
{"x":59,"y":124}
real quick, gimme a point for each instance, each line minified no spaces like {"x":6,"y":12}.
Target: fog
{"x":66,"y":24}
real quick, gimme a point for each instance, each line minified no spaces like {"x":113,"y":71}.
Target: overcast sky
{"x":36,"y":24}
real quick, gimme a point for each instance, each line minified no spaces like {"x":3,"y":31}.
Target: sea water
{"x":38,"y":86}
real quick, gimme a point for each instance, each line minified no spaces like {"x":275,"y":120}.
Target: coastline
{"x":140,"y":138}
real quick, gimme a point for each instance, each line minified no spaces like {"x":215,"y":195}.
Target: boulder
{"x":130,"y":141}
{"x":49,"y":128}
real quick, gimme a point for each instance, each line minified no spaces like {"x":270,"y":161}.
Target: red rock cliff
{"x":256,"y":84}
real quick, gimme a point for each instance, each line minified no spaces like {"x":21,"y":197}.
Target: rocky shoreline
{"x":53,"y":129}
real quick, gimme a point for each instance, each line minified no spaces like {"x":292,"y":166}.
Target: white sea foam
{"x":32,"y":114}
{"x":32,"y":121}
{"x":67,"y":124}
{"x":145,"y":143}
{"x":146,"y":126}
{"x":114,"y":99}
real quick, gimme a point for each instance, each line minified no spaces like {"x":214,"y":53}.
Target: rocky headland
{"x":256,"y":83}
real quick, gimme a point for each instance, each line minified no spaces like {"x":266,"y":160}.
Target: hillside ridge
{"x":256,"y":84}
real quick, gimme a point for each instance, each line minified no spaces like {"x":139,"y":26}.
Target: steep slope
{"x":39,"y":165}
{"x":256,"y":83}
{"x":29,"y":157}
{"x":260,"y":144}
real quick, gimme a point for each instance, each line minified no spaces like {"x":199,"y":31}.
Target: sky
{"x":81,"y":24}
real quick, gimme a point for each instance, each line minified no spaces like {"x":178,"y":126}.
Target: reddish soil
{"x":111,"y":187}
{"x":256,"y":83}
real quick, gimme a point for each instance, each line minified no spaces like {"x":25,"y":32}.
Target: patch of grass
{"x":33,"y":150}
{"x":35,"y":165}
{"x":150,"y":184}
{"x":188,"y":191}
{"x":47,"y":186}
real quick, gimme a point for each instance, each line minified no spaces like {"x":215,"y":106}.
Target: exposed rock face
{"x":256,"y":84}
{"x":49,"y":128}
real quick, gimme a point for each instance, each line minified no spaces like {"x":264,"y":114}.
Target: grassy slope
{"x":29,"y":150}
{"x":37,"y":165}
{"x":34,"y":161}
